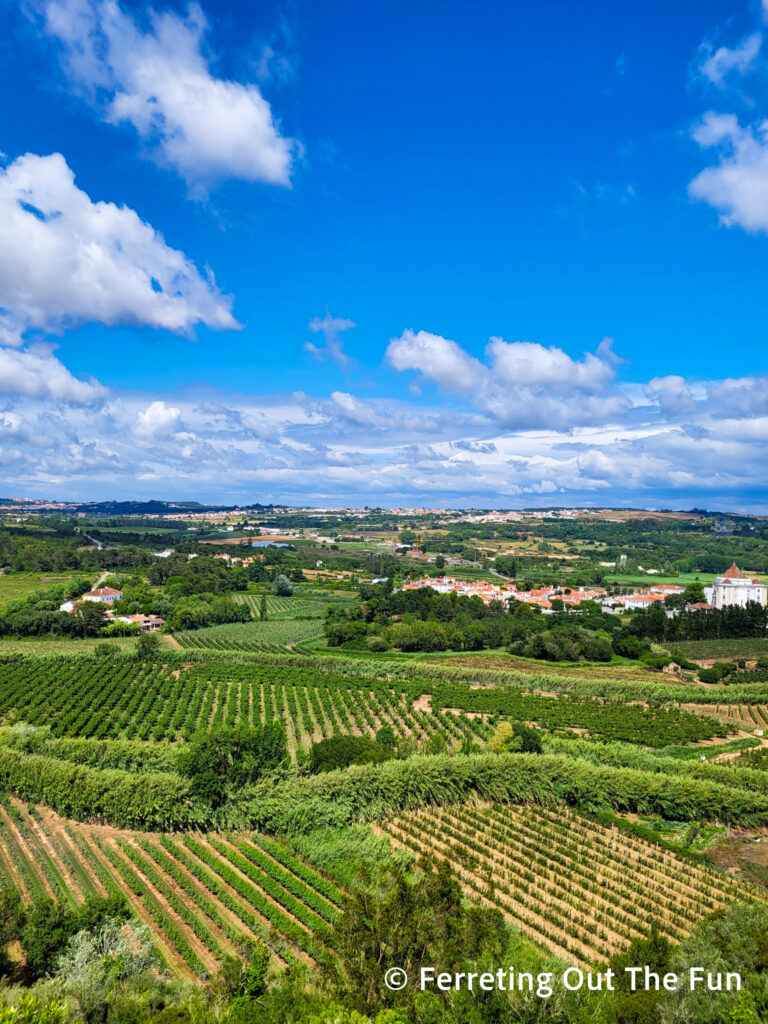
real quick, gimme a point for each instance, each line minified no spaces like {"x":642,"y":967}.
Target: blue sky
{"x":197,"y":203}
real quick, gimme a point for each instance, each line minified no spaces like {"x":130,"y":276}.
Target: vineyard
{"x":150,"y":701}
{"x":202,"y":894}
{"x":299,"y":606}
{"x":749,"y":715}
{"x":580,"y":889}
{"x":155,"y":703}
{"x":271,"y":636}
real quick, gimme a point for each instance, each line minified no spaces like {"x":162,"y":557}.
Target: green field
{"x":21,"y":584}
{"x":641,"y":579}
{"x":302,"y":604}
{"x":274,"y":635}
{"x":724,"y":648}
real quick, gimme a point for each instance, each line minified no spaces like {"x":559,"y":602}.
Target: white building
{"x":103,"y":595}
{"x":736,"y":588}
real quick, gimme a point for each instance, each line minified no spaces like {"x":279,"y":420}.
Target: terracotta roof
{"x":734,"y":573}
{"x":103,"y":592}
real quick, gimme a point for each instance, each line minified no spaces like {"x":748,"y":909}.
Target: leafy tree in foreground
{"x":391,"y":920}
{"x":231,"y":757}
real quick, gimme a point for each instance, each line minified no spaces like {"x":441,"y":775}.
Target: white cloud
{"x":158,"y":420}
{"x":521,"y":384}
{"x":159,"y":81}
{"x":66,"y":260}
{"x":737,"y":187}
{"x":331,"y":327}
{"x":438,"y":359}
{"x":37,"y":373}
{"x":672,"y":393}
{"x":726,"y":59}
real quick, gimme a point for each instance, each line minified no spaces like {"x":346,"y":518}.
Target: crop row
{"x":159,"y":704}
{"x":576,"y":887}
{"x":202,"y":895}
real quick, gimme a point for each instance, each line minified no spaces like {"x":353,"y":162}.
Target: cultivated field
{"x":152,"y":702}
{"x":706,"y":649}
{"x":271,"y":636}
{"x":202,"y":894}
{"x":578,"y":888}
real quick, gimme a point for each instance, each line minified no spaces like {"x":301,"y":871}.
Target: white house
{"x":103,"y":595}
{"x":736,"y":588}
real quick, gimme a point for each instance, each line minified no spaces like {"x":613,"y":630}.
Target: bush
{"x":341,"y":751}
{"x":630,"y":646}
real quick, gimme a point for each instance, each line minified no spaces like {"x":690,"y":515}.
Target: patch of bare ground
{"x":743,"y":854}
{"x":715,"y":741}
{"x":423,"y":703}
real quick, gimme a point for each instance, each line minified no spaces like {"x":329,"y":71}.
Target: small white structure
{"x":103,"y":595}
{"x":736,"y":588}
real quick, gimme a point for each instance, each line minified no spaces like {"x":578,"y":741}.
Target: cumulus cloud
{"x":37,"y":373}
{"x":159,"y":81}
{"x":672,"y":394}
{"x":737,"y":186}
{"x":67,"y":260}
{"x":331,"y":328}
{"x":158,"y":420}
{"x":520,"y":384}
{"x":718,"y":64}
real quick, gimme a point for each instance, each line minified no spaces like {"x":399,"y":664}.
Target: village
{"x":733,"y":588}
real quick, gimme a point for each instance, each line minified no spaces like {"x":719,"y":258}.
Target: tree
{"x":390,"y":920}
{"x":386,"y":737}
{"x":95,"y":962}
{"x":148,"y":646}
{"x":527,"y":740}
{"x":222,"y":757}
{"x":282,"y":586}
{"x":502,"y":738}
{"x":263,"y":611}
{"x":91,"y":615}
{"x":694,"y":593}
